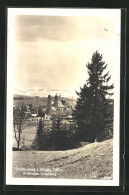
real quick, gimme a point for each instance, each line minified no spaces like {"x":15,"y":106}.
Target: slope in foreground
{"x":93,"y":161}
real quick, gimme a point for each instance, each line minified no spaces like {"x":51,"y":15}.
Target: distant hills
{"x":38,"y":97}
{"x":43,"y":92}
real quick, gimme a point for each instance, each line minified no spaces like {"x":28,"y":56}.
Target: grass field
{"x":93,"y":161}
{"x":27,"y":136}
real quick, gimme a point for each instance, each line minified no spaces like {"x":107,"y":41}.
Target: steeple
{"x":56,"y":101}
{"x":48,"y":103}
{"x":49,"y":100}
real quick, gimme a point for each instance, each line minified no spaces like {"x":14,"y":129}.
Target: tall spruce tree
{"x":92,"y":111}
{"x":39,"y":141}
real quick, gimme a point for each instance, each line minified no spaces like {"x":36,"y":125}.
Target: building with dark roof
{"x":57,"y":107}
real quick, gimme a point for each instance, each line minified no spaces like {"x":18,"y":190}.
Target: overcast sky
{"x":52,"y":51}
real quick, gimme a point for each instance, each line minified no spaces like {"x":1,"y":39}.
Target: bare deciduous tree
{"x":19,"y":122}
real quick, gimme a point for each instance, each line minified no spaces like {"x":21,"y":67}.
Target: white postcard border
{"x":9,"y":116}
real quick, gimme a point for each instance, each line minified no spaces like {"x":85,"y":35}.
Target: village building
{"x":58,"y":107}
{"x":36,"y":119}
{"x":34,"y":114}
{"x":27,"y":114}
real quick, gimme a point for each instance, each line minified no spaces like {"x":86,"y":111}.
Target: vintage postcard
{"x":63,"y":96}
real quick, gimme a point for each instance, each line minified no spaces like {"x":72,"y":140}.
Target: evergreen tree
{"x":92,"y":111}
{"x":61,"y":137}
{"x":55,"y":141}
{"x":39,"y":141}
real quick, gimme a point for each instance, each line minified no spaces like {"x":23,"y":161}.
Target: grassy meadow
{"x":93,"y":161}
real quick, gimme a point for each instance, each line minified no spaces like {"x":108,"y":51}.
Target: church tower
{"x":48,"y":103}
{"x":56,"y":101}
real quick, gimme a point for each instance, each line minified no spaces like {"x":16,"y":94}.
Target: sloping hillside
{"x":93,"y":161}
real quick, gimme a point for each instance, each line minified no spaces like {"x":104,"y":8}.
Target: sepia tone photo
{"x":63,"y":87}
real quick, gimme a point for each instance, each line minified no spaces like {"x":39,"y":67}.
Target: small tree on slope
{"x":92,"y":111}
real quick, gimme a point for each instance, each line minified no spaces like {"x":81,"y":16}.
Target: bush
{"x":61,"y":140}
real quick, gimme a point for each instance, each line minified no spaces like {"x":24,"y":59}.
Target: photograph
{"x":63,"y":96}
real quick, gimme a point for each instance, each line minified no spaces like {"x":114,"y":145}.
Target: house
{"x":34,"y":112}
{"x":27,"y":114}
{"x":46,"y":117}
{"x":36,"y":119}
{"x":34,"y":115}
{"x":61,"y":107}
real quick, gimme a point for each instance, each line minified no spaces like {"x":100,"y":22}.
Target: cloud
{"x":60,"y":28}
{"x":51,"y":52}
{"x":33,"y":28}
